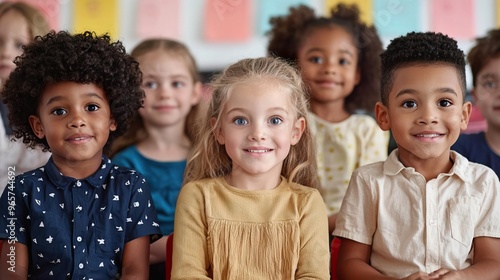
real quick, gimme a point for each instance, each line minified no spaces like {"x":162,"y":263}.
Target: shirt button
{"x":80,"y":265}
{"x":79,"y":239}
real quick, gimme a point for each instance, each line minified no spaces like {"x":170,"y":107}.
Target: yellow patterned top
{"x":341,"y":148}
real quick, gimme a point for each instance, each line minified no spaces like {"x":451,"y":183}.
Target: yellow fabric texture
{"x":222,"y":232}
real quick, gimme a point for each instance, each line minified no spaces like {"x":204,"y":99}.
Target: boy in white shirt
{"x":426,"y":212}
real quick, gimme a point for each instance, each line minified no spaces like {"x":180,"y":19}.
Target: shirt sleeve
{"x":489,"y":213}
{"x":314,"y":252}
{"x":190,"y":256}
{"x":141,"y":212}
{"x":14,"y":221}
{"x":357,"y":218}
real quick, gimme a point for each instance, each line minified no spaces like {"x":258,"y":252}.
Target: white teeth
{"x":258,"y":151}
{"x":428,"y":135}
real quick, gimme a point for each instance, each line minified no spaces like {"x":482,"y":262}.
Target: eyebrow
{"x":343,"y":51}
{"x":59,"y":97}
{"x":439,"y":90}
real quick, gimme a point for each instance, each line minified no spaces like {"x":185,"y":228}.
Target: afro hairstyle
{"x":420,"y":48}
{"x":289,"y":31}
{"x":82,"y":58}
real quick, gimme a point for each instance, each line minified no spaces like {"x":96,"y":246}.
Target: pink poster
{"x":454,"y":18}
{"x":158,"y":18}
{"x":227,"y":20}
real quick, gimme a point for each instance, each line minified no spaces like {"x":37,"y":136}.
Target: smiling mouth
{"x":258,"y":151}
{"x":428,"y":135}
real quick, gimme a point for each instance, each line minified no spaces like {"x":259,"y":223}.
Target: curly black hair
{"x":486,"y":49}
{"x":420,"y":48}
{"x":82,"y":58}
{"x":290,"y":31}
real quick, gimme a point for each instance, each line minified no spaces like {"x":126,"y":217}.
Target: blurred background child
{"x":19,"y":24}
{"x":484,"y":60}
{"x":339,"y":60}
{"x":158,"y":142}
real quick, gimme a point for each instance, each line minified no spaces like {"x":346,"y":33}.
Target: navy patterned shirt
{"x":77,"y":229}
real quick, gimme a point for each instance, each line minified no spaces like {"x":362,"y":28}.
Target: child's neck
{"x":429,"y":168}
{"x":252,"y":182}
{"x":333,"y":112}
{"x":78,"y":169}
{"x":493,"y":139}
{"x":165,"y":145}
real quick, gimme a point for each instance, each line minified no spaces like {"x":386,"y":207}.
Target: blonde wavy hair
{"x":209,"y":159}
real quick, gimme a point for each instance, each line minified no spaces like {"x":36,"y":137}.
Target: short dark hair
{"x":420,"y":48}
{"x":486,"y":49}
{"x":82,"y":58}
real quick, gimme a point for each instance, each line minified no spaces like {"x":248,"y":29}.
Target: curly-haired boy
{"x":426,"y":212}
{"x":79,"y":216}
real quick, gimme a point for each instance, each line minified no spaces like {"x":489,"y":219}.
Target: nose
{"x":76,"y":120}
{"x":164,"y":91}
{"x":258,"y":132}
{"x":428,"y":114}
{"x":329,"y":67}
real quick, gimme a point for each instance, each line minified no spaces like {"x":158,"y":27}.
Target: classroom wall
{"x":214,"y":56}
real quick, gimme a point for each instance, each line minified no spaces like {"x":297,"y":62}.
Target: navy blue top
{"x":77,"y":228}
{"x":164,"y":179}
{"x":475,"y":148}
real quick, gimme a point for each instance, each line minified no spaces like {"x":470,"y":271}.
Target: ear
{"x":357,"y":78}
{"x":197,"y":92}
{"x":112,"y":124}
{"x":217,"y":131}
{"x":466,"y":112}
{"x":36,"y":126}
{"x":382,"y":116}
{"x":297,"y":130}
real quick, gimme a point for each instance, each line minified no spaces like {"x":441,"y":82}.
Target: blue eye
{"x":58,"y":112}
{"x":409,"y":104}
{"x":275,"y":120}
{"x":240,"y":121}
{"x":92,"y":107}
{"x":177,"y":84}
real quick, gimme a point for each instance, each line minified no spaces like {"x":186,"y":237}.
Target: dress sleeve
{"x":375,"y":145}
{"x":190,"y":250}
{"x":314,"y":259}
{"x":141,"y":212}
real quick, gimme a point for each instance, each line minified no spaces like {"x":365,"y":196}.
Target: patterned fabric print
{"x":78,"y":228}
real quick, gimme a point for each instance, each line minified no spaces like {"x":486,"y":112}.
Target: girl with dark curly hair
{"x":79,"y":216}
{"x":339,"y":60}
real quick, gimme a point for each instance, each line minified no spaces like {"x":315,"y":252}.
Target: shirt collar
{"x":59,"y":180}
{"x":392,"y":166}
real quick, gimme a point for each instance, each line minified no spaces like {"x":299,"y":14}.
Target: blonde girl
{"x":158,"y":142}
{"x":247,"y":210}
{"x":19,"y":24}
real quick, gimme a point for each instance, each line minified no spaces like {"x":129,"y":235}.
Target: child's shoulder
{"x":301,"y":189}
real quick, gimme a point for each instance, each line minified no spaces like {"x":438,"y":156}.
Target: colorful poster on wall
{"x":365,"y":6}
{"x":49,"y":8}
{"x":96,"y":15}
{"x":269,"y":9}
{"x":158,"y":18}
{"x":227,"y":20}
{"x":454,"y":18}
{"x":396,"y":18}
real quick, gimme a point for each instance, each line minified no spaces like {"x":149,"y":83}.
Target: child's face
{"x":14,"y":33}
{"x":257,"y":128}
{"x":487,"y":93}
{"x":76,"y":121}
{"x":328,"y":61}
{"x":425,"y":111}
{"x":169,"y":88}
